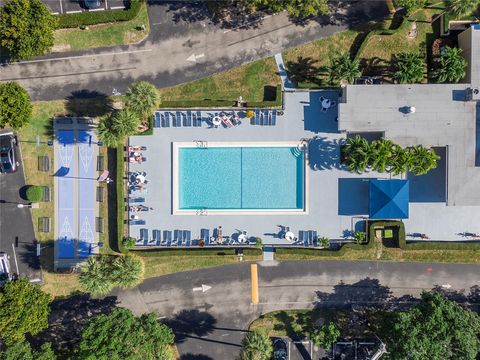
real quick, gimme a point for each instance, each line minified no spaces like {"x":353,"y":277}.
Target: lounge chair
{"x":227,"y":122}
{"x":144,"y":235}
{"x":315,"y":238}
{"x":167,"y":119}
{"x":189,"y":118}
{"x":175,"y":238}
{"x":167,"y":238}
{"x":136,"y":222}
{"x":274,"y":117}
{"x":136,"y":200}
{"x":256,"y":118}
{"x":265,"y":117}
{"x":199,"y":118}
{"x":205,"y":236}
{"x":179,"y":118}
{"x":179,"y":237}
{"x":157,"y":120}
{"x":304,"y":238}
{"x":187,"y":236}
{"x":156,"y":237}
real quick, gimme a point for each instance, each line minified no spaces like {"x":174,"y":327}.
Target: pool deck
{"x":338,"y":199}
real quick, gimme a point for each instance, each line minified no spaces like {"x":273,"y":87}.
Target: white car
{"x":5,"y":273}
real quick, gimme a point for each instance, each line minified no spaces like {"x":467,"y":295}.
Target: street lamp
{"x":30,"y":206}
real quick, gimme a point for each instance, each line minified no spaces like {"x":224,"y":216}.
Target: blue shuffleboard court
{"x":86,"y":193}
{"x":66,"y":194}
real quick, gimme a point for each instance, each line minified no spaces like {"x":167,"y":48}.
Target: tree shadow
{"x":68,"y":318}
{"x":191,"y":323}
{"x":324,"y":154}
{"x":303,"y":70}
{"x":112,"y":202}
{"x":374,"y":67}
{"x":22,"y":192}
{"x":191,"y":356}
{"x":88,"y":103}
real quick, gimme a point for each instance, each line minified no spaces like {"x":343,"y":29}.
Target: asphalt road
{"x":184,"y":45}
{"x":16,"y":228}
{"x":211,"y":324}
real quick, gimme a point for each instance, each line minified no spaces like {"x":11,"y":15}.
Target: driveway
{"x":16,"y":228}
{"x":184,"y":45}
{"x":211,"y":324}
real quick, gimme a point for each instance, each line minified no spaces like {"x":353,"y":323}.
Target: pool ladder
{"x":201,"y":144}
{"x":201,"y":212}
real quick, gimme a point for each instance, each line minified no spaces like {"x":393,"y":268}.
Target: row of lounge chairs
{"x":265,"y":117}
{"x":136,"y":201}
{"x":306,"y":238}
{"x":177,"y":119}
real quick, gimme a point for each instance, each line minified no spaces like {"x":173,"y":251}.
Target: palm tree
{"x":451,"y":65}
{"x":256,"y":346}
{"x":105,"y":133}
{"x":357,"y":154}
{"x":342,"y":67}
{"x":463,"y":7}
{"x":95,"y":275}
{"x":128,"y":271}
{"x":408,"y":68}
{"x":381,"y":154}
{"x":142,"y":98}
{"x":423,"y":160}
{"x":401,"y":160}
{"x":124,"y":123}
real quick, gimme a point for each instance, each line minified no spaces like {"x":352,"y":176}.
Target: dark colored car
{"x":280,"y":349}
{"x":92,"y":4}
{"x":8,"y":164}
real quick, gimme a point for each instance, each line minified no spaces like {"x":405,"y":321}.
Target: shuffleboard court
{"x":66,"y":194}
{"x":86,"y":193}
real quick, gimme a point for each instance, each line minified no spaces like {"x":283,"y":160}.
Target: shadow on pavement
{"x":88,"y":103}
{"x":191,"y":356}
{"x":191,"y":323}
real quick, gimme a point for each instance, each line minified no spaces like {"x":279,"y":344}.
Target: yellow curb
{"x":390,"y":6}
{"x":254,"y":272}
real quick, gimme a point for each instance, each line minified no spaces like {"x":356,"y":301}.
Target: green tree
{"x":356,"y":154}
{"x":22,"y":350}
{"x":142,"y":98}
{"x":122,"y":335}
{"x":408,"y":68}
{"x":326,"y":335}
{"x":451,"y":65}
{"x":34,"y":193}
{"x":436,"y":328}
{"x":128,"y":270}
{"x":95,"y":275}
{"x":401,"y":160}
{"x":15,"y":106}
{"x":462,"y":7}
{"x":410,"y":5}
{"x":360,"y":237}
{"x":297,"y":8}
{"x":105,"y":133}
{"x":27,"y":28}
{"x":256,"y":346}
{"x":381,"y":154}
{"x":125,"y":123}
{"x":342,"y":67}
{"x":423,"y":160}
{"x":24,"y":308}
{"x":324,"y":242}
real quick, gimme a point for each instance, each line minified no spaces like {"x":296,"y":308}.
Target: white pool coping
{"x":212,"y":144}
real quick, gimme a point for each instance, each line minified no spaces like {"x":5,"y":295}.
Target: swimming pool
{"x":239,"y":177}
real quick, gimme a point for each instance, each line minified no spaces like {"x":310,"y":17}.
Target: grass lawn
{"x":255,"y":82}
{"x":119,"y":33}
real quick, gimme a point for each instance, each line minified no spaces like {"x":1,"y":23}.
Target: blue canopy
{"x":388,"y":199}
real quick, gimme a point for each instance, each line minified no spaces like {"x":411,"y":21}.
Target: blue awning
{"x":388,"y":199}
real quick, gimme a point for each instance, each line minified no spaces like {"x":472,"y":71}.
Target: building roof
{"x":388,"y":199}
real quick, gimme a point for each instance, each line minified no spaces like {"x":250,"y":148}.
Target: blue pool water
{"x":241,"y":178}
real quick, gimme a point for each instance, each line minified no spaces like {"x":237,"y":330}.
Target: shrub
{"x":324,"y":242}
{"x":258,"y":242}
{"x":342,"y":67}
{"x":99,"y":17}
{"x":408,"y":68}
{"x":34,"y":193}
{"x":15,"y":106}
{"x":326,"y":335}
{"x":129,"y":242}
{"x":256,"y":346}
{"x":113,"y":129}
{"x":462,"y":7}
{"x":410,"y":5}
{"x":451,"y":65}
{"x":250,"y":114}
{"x":142,"y":98}
{"x":360,"y":237}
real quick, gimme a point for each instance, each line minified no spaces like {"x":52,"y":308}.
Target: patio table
{"x":217,"y":121}
{"x":289,"y":236}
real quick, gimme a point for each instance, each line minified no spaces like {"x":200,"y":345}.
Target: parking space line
{"x":73,"y":12}
{"x":117,"y":7}
{"x":99,"y":9}
{"x":61,"y":6}
{"x":106,"y":5}
{"x":15,"y":256}
{"x":55,"y":13}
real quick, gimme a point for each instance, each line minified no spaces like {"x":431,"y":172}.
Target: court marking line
{"x":15,"y":256}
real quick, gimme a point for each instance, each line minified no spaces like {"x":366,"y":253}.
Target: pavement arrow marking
{"x":193,"y":57}
{"x":446,"y":286}
{"x":202,"y":288}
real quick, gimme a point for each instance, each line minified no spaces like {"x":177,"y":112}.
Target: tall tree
{"x":463,"y":7}
{"x":24,"y":309}
{"x":326,"y":335}
{"x":125,"y":123}
{"x":23,"y":351}
{"x":105,"y":133}
{"x":401,"y":160}
{"x":451,"y":65}
{"x":27,"y":28}
{"x":408,"y":68}
{"x":436,"y":328}
{"x":15,"y":106}
{"x":122,"y":335}
{"x":128,"y":270}
{"x":256,"y":346}
{"x":381,"y":157}
{"x":142,"y":98}
{"x":423,"y":160}
{"x":297,"y":8}
{"x":410,"y":5}
{"x":357,"y":154}
{"x":342,"y":67}
{"x":95,"y":275}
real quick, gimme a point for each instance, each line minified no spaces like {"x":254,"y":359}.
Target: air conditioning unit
{"x":475,"y":94}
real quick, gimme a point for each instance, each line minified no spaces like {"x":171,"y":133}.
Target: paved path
{"x":212,"y":324}
{"x":182,"y":46}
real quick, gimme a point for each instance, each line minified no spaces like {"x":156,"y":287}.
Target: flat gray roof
{"x":442,"y":118}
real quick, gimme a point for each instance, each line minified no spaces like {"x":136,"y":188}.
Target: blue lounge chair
{"x":256,"y":119}
{"x":180,"y":238}
{"x":187,"y":235}
{"x":199,"y":116}
{"x":179,"y":118}
{"x":274,"y":117}
{"x":265,"y":117}
{"x":140,"y":242}
{"x":305,"y":238}
{"x":136,"y":200}
{"x":189,"y":118}
{"x":174,"y":120}
{"x":167,"y":119}
{"x":205,"y":235}
{"x":157,"y":120}
{"x":167,"y":238}
{"x":137,"y":222}
{"x":156,"y":237}
{"x":144,"y":235}
{"x":315,"y":238}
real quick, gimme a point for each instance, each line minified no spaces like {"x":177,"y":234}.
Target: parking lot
{"x":77,"y":6}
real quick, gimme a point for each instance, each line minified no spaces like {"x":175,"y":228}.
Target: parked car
{"x":5,"y":273}
{"x":92,"y":4}
{"x":8,"y":163}
{"x":280,"y":349}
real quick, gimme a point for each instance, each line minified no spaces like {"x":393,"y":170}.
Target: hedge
{"x":196,"y":252}
{"x":386,"y":223}
{"x":324,"y":252}
{"x":99,"y":17}
{"x":120,"y":188}
{"x":34,"y":193}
